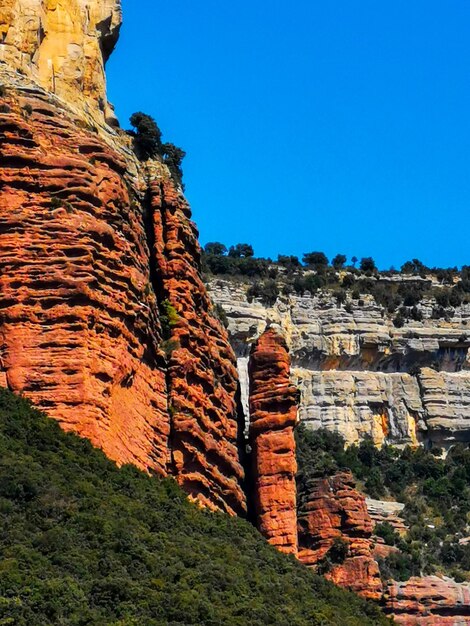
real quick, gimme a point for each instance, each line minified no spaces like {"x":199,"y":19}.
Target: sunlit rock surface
{"x":273,"y":415}
{"x":357,"y":373}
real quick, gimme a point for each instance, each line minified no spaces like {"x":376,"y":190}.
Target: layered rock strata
{"x":387,"y":512}
{"x":93,"y":246}
{"x":334,"y":510}
{"x":273,"y":414}
{"x":202,"y":374}
{"x":79,"y":325}
{"x":357,"y":373}
{"x":429,"y":601}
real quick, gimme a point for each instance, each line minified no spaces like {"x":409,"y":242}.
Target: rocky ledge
{"x":357,"y":373}
{"x":429,"y":601}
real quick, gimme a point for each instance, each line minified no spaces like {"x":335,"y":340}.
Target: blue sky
{"x":311,"y":125}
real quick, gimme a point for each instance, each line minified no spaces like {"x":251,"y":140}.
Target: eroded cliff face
{"x":429,"y":601}
{"x":357,"y":373}
{"x":202,"y":375}
{"x":273,"y":415}
{"x":92,"y":244}
{"x":335,"y":510}
{"x":62,"y":46}
{"x":95,"y":244}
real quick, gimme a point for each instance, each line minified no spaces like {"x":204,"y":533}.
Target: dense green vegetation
{"x":148,"y":145}
{"x":436,"y":493}
{"x":346,"y":282}
{"x":85,"y":543}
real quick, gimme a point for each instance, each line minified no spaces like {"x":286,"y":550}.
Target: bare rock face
{"x":358,"y":374}
{"x":429,"y":601}
{"x":93,"y":243}
{"x":273,"y":413}
{"x":381,"y":512}
{"x":62,"y":46}
{"x":335,"y":510}
{"x":202,"y":375}
{"x":78,"y":319}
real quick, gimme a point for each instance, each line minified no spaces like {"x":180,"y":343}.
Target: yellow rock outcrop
{"x":62,"y":45}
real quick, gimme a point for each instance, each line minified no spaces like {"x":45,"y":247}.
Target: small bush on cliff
{"x":169,"y":346}
{"x":215,"y":248}
{"x":368,"y":264}
{"x":339,"y":261}
{"x":267,"y":292}
{"x":173,"y":158}
{"x":316,"y":260}
{"x":148,"y":137}
{"x":169,"y":318}
{"x":241,"y":251}
{"x":290,"y":262}
{"x":148,"y":145}
{"x":221,"y":315}
{"x":386,"y":531}
{"x":239,"y":261}
{"x":84,"y":543}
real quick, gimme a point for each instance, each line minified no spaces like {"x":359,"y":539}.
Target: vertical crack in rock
{"x":202,"y":377}
{"x":92,"y":243}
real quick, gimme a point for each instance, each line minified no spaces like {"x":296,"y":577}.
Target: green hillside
{"x":85,"y":543}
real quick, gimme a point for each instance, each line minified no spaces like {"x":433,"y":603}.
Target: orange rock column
{"x":273,"y":414}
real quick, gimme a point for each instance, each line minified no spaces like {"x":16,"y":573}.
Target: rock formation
{"x":357,"y":373}
{"x":273,"y":414}
{"x":202,"y":375}
{"x":429,"y":601}
{"x":388,"y":512}
{"x":62,"y":46}
{"x":96,"y":248}
{"x":334,"y":510}
{"x":92,"y":243}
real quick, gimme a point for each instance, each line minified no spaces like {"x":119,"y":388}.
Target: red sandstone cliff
{"x":79,"y":329}
{"x":91,"y":243}
{"x":429,"y":601}
{"x":273,"y":414}
{"x":202,"y":376}
{"x":334,"y":509}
